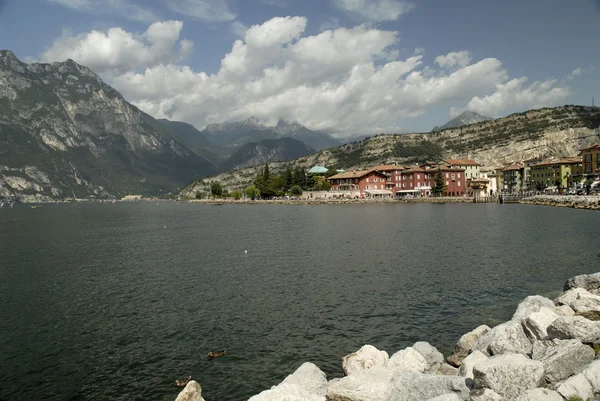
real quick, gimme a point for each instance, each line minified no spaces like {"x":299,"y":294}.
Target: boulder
{"x":372,"y":384}
{"x":467,"y":341}
{"x":580,"y":300}
{"x":593,"y":315}
{"x":363,"y":359}
{"x":447,"y":397}
{"x":569,"y":327}
{"x":310,"y":377}
{"x":505,"y":338}
{"x":457,"y":358}
{"x":536,"y":324}
{"x":576,"y":386}
{"x":590,"y":282}
{"x":407,"y":360}
{"x":530,"y":305}
{"x":485,"y":394}
{"x":540,"y":394}
{"x":508,"y":375}
{"x":592,"y":374}
{"x":564,"y":310}
{"x":466,"y":369}
{"x":433,"y":357}
{"x":422,"y":387}
{"x":447,"y":370}
{"x":562,"y":358}
{"x":287,"y":392}
{"x":191,"y":392}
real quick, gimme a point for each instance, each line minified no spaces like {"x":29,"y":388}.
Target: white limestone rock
{"x":531,"y":305}
{"x":580,"y":300}
{"x":467,"y":341}
{"x":540,"y":394}
{"x":562,"y":358}
{"x":287,"y":392}
{"x":433,"y":357}
{"x":576,"y":386}
{"x":407,"y":360}
{"x":374,"y":384}
{"x":589,"y":282}
{"x":365,"y":358}
{"x":447,"y":397}
{"x":466,"y":369}
{"x":570,"y":327}
{"x":564,"y":310}
{"x":592,"y":374}
{"x":422,"y":387}
{"x":447,"y":370}
{"x":505,"y":338}
{"x":536,"y":324}
{"x":191,"y":392}
{"x":485,"y":394}
{"x":508,"y":375}
{"x":310,"y":377}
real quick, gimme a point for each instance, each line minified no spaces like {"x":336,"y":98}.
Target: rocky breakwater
{"x":578,"y":202}
{"x":547,"y":351}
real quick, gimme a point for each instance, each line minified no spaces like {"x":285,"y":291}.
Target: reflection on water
{"x":115,"y":302}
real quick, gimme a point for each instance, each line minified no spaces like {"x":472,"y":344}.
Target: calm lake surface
{"x":115,"y":302}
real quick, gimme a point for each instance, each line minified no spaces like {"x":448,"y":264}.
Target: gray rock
{"x":447,"y":370}
{"x":505,"y":338}
{"x":564,"y":310}
{"x":530,"y":305}
{"x":374,"y":384}
{"x":310,"y":377}
{"x":592,"y":373}
{"x":536,"y":324}
{"x":191,"y":392}
{"x":508,"y":375}
{"x":421,"y":387}
{"x":457,"y":358}
{"x":485,"y":394}
{"x":363,"y":359}
{"x":433,"y":357}
{"x":466,"y":369}
{"x":467,"y":341}
{"x":447,"y":397}
{"x":287,"y":392}
{"x":569,"y":327}
{"x":407,"y":360}
{"x":562,"y":358}
{"x":590,"y":282}
{"x":540,"y":394}
{"x":576,"y":386}
{"x":580,"y":300}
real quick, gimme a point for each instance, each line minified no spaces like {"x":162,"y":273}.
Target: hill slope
{"x":267,"y":150}
{"x":64,"y":133}
{"x":465,"y":118}
{"x":559,"y":131}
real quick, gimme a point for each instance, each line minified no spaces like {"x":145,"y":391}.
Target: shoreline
{"x":549,"y":350}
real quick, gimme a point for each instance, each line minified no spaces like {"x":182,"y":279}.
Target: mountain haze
{"x":267,"y":151}
{"x":65,"y":133}
{"x":465,"y":118}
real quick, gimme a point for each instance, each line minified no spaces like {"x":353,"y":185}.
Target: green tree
{"x":295,"y":190}
{"x":216,"y":189}
{"x":236,"y":194}
{"x":266,"y":173}
{"x":287,"y":179}
{"x":439,"y":189}
{"x":225,"y":194}
{"x":331,"y":172}
{"x":252,"y":192}
{"x":200,"y":195}
{"x":299,"y":177}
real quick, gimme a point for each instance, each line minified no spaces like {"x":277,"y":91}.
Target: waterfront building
{"x":555,"y":173}
{"x":471,"y":167}
{"x":513,"y":177}
{"x":420,"y":181}
{"x":590,"y":158}
{"x":365,"y":183}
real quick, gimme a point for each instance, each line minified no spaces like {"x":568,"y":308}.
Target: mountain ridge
{"x":465,"y":118}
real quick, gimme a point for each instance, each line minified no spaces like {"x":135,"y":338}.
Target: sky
{"x":346,"y":67}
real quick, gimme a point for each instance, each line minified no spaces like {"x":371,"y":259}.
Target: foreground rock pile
{"x":577,"y":202}
{"x":547,"y":351}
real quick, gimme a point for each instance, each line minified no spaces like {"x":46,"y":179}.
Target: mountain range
{"x":465,"y":118}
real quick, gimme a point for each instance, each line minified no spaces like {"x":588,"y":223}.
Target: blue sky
{"x":384,"y":65}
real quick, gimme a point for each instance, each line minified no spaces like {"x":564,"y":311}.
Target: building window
{"x":403,"y":185}
{"x":367,"y":187}
{"x":447,"y":175}
{"x":446,"y":183}
{"x":459,"y":183}
{"x":418,"y":176}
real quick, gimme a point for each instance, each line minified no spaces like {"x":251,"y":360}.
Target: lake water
{"x":115,"y":302}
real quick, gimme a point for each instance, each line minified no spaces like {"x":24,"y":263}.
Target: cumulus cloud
{"x":375,"y":10}
{"x":118,"y":51}
{"x":123,"y":8}
{"x":515,"y":95}
{"x":454,"y":59}
{"x":204,"y":10}
{"x":345,"y":80}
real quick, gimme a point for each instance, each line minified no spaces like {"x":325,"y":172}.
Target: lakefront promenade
{"x":547,"y":351}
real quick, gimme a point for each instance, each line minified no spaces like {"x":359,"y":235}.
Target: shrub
{"x":296,"y":190}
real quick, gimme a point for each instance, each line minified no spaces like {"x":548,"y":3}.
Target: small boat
{"x":213,"y":355}
{"x":183,"y":382}
{"x":34,"y":207}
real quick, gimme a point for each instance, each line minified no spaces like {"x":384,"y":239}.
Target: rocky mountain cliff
{"x":267,"y":150}
{"x":65,"y":134}
{"x":465,"y":118}
{"x":546,"y":132}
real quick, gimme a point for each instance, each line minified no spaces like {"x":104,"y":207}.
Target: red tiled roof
{"x":514,"y":167}
{"x":354,"y":174}
{"x":597,"y":146}
{"x":388,"y":167}
{"x":562,"y":160}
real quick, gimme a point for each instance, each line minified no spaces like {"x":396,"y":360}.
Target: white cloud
{"x":239,"y":29}
{"x":123,"y":8}
{"x":204,"y":10}
{"x":342,"y":80}
{"x":454,"y":59}
{"x":419,"y":50}
{"x":375,"y":10}
{"x":575,"y":73}
{"x":514,"y":95}
{"x":118,"y":51}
